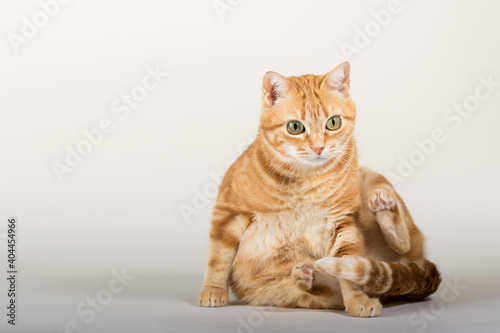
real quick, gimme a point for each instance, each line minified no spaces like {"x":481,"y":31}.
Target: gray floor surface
{"x":167,"y":303}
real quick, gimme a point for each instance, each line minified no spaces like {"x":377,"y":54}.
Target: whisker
{"x":296,"y":171}
{"x":275,"y":168}
{"x":349,"y":168}
{"x":286,"y":175}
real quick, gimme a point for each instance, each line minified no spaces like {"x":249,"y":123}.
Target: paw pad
{"x":381,"y":200}
{"x":304,"y":276}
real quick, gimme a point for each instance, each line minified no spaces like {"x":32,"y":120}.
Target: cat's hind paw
{"x":381,"y":199}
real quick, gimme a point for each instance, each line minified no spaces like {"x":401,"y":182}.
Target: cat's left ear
{"x":338,"y":79}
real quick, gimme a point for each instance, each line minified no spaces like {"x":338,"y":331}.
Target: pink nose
{"x":318,"y":150}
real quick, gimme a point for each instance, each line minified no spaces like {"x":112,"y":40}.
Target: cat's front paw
{"x":381,"y":199}
{"x":213,"y":297}
{"x":304,"y":276}
{"x":363,"y":307}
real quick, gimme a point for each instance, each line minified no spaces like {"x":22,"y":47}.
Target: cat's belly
{"x":283,"y":240}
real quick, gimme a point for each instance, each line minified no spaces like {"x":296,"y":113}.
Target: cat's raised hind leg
{"x":385,"y":217}
{"x":383,"y":202}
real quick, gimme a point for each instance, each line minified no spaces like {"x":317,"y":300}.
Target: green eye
{"x":333,"y":123}
{"x":295,"y":127}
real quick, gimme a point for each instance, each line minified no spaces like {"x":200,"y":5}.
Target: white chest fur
{"x":303,"y":228}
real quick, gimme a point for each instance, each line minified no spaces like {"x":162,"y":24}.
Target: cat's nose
{"x":318,"y":150}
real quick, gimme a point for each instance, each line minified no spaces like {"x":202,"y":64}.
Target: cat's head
{"x":309,"y":119}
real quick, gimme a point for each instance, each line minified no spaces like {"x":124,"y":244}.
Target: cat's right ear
{"x":274,"y":88}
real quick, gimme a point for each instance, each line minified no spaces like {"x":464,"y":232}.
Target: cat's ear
{"x":274,"y":88}
{"x":338,"y":79}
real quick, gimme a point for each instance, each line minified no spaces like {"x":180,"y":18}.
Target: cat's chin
{"x":319,"y":161}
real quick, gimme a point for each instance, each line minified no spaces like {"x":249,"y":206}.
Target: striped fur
{"x":415,"y":279}
{"x":290,"y":200}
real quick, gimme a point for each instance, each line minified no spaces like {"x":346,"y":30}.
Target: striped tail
{"x":415,"y":280}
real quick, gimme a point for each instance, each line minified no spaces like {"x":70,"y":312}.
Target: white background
{"x":121,"y":207}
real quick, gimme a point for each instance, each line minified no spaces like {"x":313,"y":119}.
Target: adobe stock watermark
{"x":449,"y":293}
{"x":202,"y":196}
{"x":87,"y":310}
{"x":122,"y":107}
{"x":30,"y":27}
{"x":453,"y":117}
{"x":254,"y":320}
{"x":223,"y":7}
{"x":365,"y":35}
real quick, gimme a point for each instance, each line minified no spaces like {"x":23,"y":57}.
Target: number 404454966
{"x":11,"y":243}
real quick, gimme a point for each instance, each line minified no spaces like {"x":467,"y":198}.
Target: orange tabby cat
{"x":298,"y":224}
